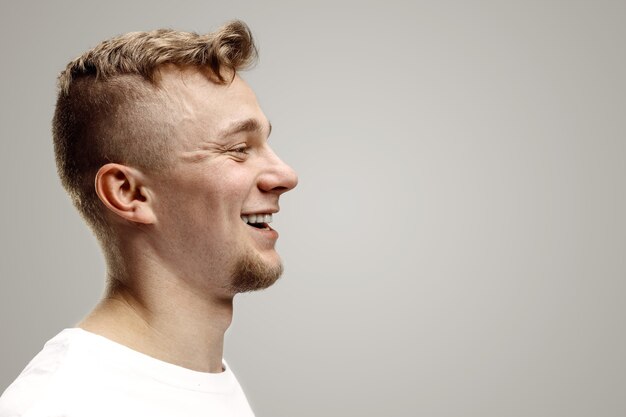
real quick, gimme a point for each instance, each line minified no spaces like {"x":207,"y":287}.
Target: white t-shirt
{"x":81,"y":374}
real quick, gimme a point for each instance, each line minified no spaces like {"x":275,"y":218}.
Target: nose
{"x":277,"y":177}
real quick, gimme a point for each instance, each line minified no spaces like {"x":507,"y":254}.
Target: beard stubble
{"x":252,"y":273}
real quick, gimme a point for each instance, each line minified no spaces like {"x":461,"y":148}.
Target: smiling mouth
{"x":258,"y":221}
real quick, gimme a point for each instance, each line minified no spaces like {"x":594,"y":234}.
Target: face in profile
{"x":215,"y":205}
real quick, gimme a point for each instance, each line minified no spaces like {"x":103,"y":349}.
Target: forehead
{"x":201,"y":108}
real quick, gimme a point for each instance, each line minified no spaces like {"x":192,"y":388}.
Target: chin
{"x":253,"y":273}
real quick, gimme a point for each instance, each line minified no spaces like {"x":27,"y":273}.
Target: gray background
{"x":456,"y":244}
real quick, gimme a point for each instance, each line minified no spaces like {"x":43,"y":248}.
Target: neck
{"x":163,"y":320}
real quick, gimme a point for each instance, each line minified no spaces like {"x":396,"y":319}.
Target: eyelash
{"x":242,"y":149}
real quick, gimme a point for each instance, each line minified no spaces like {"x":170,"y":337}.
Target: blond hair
{"x":110,"y":108}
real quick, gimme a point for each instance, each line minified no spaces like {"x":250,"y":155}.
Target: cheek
{"x":213,"y":192}
{"x":232,"y":184}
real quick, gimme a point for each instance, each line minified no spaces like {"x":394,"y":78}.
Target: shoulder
{"x":39,"y":383}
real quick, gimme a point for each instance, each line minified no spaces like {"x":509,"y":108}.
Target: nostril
{"x":279,"y":178}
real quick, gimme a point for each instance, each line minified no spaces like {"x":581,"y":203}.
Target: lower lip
{"x":269,"y":232}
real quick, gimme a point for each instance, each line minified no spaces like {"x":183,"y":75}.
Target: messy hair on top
{"x":110,"y":107}
{"x":142,"y":53}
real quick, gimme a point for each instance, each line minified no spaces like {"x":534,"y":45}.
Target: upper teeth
{"x":257,"y":218}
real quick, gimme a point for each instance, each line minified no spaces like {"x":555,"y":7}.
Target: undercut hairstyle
{"x":110,"y":107}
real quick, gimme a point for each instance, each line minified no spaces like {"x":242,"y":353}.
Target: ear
{"x":122,"y":189}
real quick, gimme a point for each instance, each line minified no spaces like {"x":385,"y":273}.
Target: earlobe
{"x":122,"y":190}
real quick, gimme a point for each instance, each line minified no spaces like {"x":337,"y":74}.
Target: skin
{"x":181,"y":236}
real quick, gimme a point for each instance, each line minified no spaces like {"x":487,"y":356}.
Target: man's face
{"x":224,"y":174}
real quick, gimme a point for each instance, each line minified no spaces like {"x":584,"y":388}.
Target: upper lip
{"x":261,"y":211}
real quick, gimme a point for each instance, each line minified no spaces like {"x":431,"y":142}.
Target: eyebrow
{"x":247,"y":125}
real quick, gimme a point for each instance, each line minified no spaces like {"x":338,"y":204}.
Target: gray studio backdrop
{"x":456,"y":246}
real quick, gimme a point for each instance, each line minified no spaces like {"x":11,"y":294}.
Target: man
{"x":163,"y":149}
